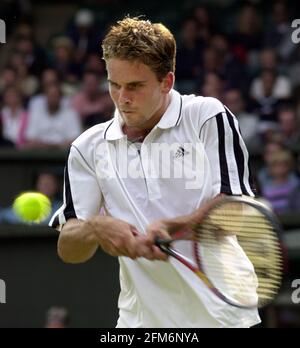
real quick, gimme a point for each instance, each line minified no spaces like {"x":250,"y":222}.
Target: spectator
{"x":63,"y":59}
{"x":213,"y":86}
{"x":4,"y":143}
{"x":205,"y":23}
{"x":9,"y":78}
{"x":267,"y":102}
{"x":188,"y":56}
{"x":248,"y":122}
{"x":246,"y":40}
{"x":281,"y":182}
{"x":270,"y":148}
{"x":14,"y":117}
{"x":272,"y":84}
{"x":46,"y":183}
{"x":27,"y":83}
{"x":49,"y":77}
{"x":278,"y":32}
{"x":84,"y":36}
{"x":91,"y":102}
{"x":33,"y":55}
{"x":57,"y":318}
{"x":230,"y":67}
{"x":94,"y":63}
{"x":52,"y":125}
{"x":289,"y":128}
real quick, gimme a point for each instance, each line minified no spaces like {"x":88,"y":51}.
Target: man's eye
{"x":114,"y":85}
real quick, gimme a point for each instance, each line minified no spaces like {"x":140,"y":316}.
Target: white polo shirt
{"x":135,"y":184}
{"x":55,"y":128}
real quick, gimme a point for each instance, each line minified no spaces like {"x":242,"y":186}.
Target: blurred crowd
{"x":51,"y":92}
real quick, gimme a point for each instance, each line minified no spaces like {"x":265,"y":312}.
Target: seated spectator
{"x":246,"y":40}
{"x":49,"y":77}
{"x":27,"y":82}
{"x":229,"y":67}
{"x":206,"y":25}
{"x":248,"y":122}
{"x":294,"y":201}
{"x":9,"y":78}
{"x":63,"y":60}
{"x":289,"y":128}
{"x":57,"y":318}
{"x":281,"y":181}
{"x":46,"y":183}
{"x":281,"y":86}
{"x":213,"y":86}
{"x":85,"y":35}
{"x":14,"y":117}
{"x":266,"y":103}
{"x":4,"y":143}
{"x":93,"y":63}
{"x":91,"y":101}
{"x":189,"y":56}
{"x":33,"y":54}
{"x":52,"y":125}
{"x":278,"y":31}
{"x":271,"y":147}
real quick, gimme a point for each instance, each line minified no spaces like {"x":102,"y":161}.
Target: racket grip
{"x":163,"y":244}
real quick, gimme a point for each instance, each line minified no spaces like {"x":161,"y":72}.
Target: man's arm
{"x":79,"y":240}
{"x":165,"y":228}
{"x":76,"y":243}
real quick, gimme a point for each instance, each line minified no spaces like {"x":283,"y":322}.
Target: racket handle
{"x":163,"y":244}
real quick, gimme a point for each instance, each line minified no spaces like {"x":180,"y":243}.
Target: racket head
{"x":237,"y":247}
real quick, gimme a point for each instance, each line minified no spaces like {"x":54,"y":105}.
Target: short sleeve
{"x":82,"y":197}
{"x":227,"y":155}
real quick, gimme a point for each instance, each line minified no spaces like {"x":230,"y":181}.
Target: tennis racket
{"x":237,"y":251}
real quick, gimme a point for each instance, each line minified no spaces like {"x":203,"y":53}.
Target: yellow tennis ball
{"x":32,"y":207}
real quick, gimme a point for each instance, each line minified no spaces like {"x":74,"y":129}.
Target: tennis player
{"x":152,"y":168}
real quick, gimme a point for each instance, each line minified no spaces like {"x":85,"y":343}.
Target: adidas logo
{"x":180,"y":152}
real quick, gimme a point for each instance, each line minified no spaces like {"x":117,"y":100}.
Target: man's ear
{"x":168,"y":82}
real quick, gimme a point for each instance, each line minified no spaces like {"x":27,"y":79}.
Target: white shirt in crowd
{"x":13,"y":125}
{"x":55,"y":128}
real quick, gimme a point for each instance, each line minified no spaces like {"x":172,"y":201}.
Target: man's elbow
{"x":71,"y":257}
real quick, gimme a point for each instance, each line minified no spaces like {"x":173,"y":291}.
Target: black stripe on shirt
{"x":238,"y":153}
{"x":251,"y":181}
{"x":55,"y":222}
{"x":225,"y":182}
{"x":69,"y":211}
{"x":180,"y":111}
{"x":108,"y":128}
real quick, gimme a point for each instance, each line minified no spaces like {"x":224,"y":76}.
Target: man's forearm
{"x":195,"y":217}
{"x":76,"y":243}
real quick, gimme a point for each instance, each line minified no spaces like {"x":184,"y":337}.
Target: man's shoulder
{"x":207,"y":105}
{"x":92,"y":135}
{"x":200,"y":109}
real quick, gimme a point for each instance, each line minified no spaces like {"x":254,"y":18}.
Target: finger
{"x":134,"y":230}
{"x":158,"y":254}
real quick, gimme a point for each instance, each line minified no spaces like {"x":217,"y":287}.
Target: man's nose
{"x":124,"y":97}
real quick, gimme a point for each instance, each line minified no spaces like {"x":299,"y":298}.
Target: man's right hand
{"x":119,"y":238}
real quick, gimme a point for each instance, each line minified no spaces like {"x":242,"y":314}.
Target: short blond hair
{"x":137,"y":39}
{"x":282,"y":156}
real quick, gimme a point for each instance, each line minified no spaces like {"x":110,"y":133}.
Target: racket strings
{"x":241,"y":253}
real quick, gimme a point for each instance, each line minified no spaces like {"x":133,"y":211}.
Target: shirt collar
{"x":170,"y":118}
